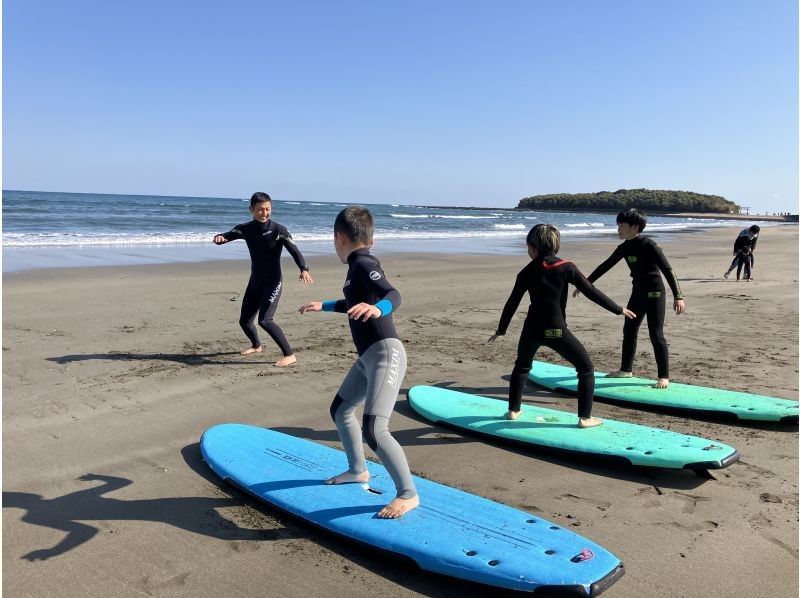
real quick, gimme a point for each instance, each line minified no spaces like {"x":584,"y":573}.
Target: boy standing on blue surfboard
{"x":547,"y":279}
{"x":375,"y":377}
{"x":646,"y":262}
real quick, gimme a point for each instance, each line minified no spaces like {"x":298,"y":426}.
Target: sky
{"x":452,"y":102}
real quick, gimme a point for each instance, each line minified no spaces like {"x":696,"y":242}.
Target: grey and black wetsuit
{"x":547,"y":282}
{"x":375,"y":377}
{"x":646,"y":262}
{"x":746,"y":238}
{"x":265,"y":241}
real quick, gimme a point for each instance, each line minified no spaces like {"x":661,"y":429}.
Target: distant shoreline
{"x":714,"y":215}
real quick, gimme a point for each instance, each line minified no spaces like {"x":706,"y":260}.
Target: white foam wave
{"x":584,"y":225}
{"x":510,"y":226}
{"x":443,"y":216}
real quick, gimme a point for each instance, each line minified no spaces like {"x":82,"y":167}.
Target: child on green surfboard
{"x":646,"y":262}
{"x":546,"y":279}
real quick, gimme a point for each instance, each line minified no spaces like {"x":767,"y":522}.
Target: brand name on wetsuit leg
{"x":553,"y":333}
{"x":654,"y":294}
{"x":275,"y":292}
{"x":394,"y":368}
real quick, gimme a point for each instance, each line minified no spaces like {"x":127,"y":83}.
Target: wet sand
{"x":110,"y":376}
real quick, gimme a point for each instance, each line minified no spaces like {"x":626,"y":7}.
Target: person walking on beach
{"x":747,"y":237}
{"x":265,"y":240}
{"x":546,"y":279}
{"x":646,"y":262}
{"x":376,"y":376}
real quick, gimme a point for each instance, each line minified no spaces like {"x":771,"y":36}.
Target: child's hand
{"x":311,"y":306}
{"x":220,"y":240}
{"x":492,"y":338}
{"x":679,"y":306}
{"x":363,"y":312}
{"x":628,"y":314}
{"x":575,"y":293}
{"x":306,"y":277}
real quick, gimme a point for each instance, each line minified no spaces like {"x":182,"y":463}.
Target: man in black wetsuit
{"x":747,"y":237}
{"x":265,"y":240}
{"x":547,"y":279}
{"x":646,"y":262}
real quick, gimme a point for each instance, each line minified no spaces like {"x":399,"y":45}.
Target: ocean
{"x":46,"y":229}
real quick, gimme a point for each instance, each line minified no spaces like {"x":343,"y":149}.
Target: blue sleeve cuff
{"x":329,"y":305}
{"x":385,"y":306}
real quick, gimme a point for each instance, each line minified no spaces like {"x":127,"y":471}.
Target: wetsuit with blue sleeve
{"x":647,"y":263}
{"x":547,"y":282}
{"x":375,"y":377}
{"x":265,"y":242}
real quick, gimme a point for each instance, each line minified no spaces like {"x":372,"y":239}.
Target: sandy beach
{"x":111,"y":375}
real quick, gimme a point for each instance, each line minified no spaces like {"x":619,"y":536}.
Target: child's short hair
{"x":356,"y":223}
{"x":259,"y":197}
{"x":545,"y":238}
{"x":755,"y":229}
{"x":633,"y":217}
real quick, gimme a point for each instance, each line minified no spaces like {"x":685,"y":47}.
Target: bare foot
{"x":662,"y":383}
{"x":726,"y":275}
{"x":251,"y":350}
{"x":512,"y":414}
{"x":284,"y":361}
{"x":398,"y":507}
{"x":620,"y":374}
{"x":590,"y":422}
{"x":349,"y":478}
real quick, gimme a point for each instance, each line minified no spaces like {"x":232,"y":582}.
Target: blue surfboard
{"x":452,"y":533}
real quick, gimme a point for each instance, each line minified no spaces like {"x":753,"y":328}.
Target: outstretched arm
{"x":231,"y":235}
{"x":603,"y":268}
{"x":510,"y":308}
{"x":288,"y":242}
{"x":592,"y":292}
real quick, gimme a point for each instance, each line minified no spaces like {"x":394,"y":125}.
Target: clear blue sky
{"x":429,"y":102}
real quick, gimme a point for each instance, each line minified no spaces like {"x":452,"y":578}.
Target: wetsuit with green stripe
{"x":547,"y":282}
{"x":265,"y":242}
{"x":647,"y":263}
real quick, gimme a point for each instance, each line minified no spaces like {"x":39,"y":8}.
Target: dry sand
{"x":116,"y":372}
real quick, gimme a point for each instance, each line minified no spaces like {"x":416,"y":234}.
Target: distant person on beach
{"x":376,"y":376}
{"x":265,"y":240}
{"x":646,"y":262}
{"x":745,"y":259}
{"x":747,"y":237}
{"x":546,"y":279}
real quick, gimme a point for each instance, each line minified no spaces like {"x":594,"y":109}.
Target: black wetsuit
{"x":376,"y":376}
{"x":646,"y":262}
{"x":547,"y":281}
{"x":366,"y":283}
{"x":744,"y":260}
{"x":745,"y":239}
{"x":265,"y":241}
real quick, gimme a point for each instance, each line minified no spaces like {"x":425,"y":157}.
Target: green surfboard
{"x":716,"y":401}
{"x":558,"y":430}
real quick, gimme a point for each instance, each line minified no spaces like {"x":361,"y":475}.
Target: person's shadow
{"x":69,"y":513}
{"x":183,"y":358}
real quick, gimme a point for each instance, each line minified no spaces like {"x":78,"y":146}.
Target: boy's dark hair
{"x":356,"y":223}
{"x":545,"y":238}
{"x":755,"y":229}
{"x":633,"y":217}
{"x":259,"y":197}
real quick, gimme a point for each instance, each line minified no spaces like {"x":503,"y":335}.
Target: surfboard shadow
{"x":182,"y":358}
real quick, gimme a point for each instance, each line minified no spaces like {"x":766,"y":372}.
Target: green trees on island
{"x":649,"y":200}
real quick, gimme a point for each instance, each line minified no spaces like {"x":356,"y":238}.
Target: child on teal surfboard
{"x":375,"y":377}
{"x":546,"y":279}
{"x":646,"y":262}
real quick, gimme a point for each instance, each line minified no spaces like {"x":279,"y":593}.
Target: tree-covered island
{"x":649,"y":200}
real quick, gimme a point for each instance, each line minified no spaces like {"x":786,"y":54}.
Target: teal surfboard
{"x":452,"y":532}
{"x":712,"y":401}
{"x":558,"y":430}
